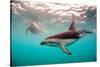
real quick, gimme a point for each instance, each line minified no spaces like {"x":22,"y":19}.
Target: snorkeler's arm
{"x":27,"y":30}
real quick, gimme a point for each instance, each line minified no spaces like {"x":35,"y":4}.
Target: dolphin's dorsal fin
{"x":65,"y":50}
{"x":72,"y":26}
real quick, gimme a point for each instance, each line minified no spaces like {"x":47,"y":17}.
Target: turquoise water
{"x":26,"y":49}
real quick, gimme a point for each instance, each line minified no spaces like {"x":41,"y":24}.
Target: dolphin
{"x":34,"y":28}
{"x":65,"y":38}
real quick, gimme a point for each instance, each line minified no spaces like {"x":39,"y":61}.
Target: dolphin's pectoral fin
{"x":61,"y":44}
{"x":65,"y":50}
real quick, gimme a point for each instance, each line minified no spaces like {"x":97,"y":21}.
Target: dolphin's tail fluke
{"x":85,"y":31}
